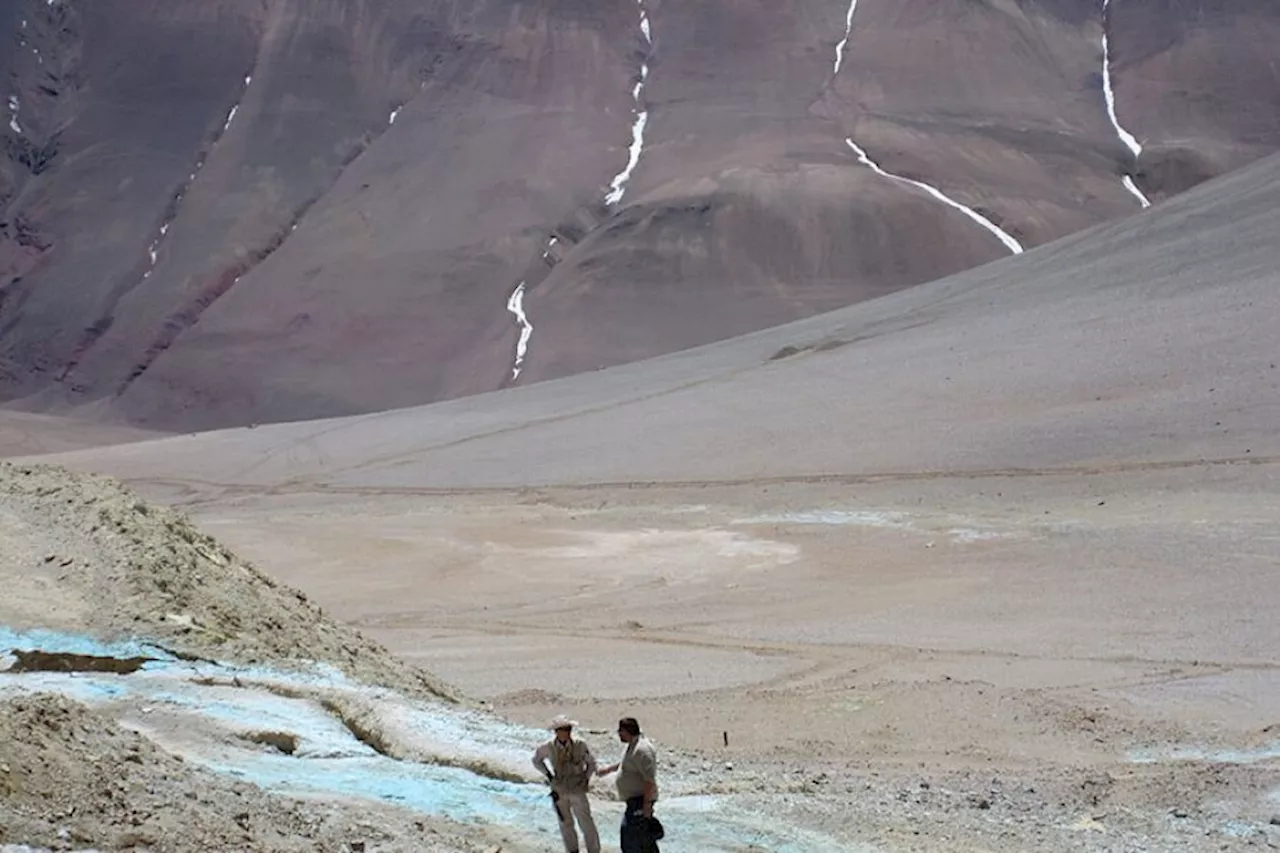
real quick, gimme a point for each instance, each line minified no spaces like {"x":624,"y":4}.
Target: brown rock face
{"x":218,"y":212}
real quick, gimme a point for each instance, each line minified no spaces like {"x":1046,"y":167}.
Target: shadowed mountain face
{"x":219,"y":211}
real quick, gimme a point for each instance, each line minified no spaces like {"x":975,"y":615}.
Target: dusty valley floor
{"x":1071,"y":662}
{"x":967,"y":663}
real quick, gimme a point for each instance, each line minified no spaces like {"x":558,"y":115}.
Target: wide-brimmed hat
{"x":563,"y":722}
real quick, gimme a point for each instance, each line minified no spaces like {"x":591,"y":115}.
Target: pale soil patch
{"x":25,"y":434}
{"x":851,"y":638}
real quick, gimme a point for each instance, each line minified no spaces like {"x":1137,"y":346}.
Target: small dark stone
{"x":979,"y":802}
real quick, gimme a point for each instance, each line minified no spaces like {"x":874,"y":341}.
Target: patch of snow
{"x":248,"y":78}
{"x":1108,"y":91}
{"x":460,"y":736}
{"x":968,"y":534}
{"x":1239,"y":829}
{"x":394,"y":114}
{"x":429,"y":789}
{"x":153,"y":249}
{"x":77,"y":644}
{"x":834,"y":517}
{"x":515,"y":304}
{"x":14,"y":126}
{"x":883,"y":519}
{"x":1006,"y":238}
{"x":618,"y":186}
{"x":848,"y":30}
{"x":1109,"y":94}
{"x":1200,"y":754}
{"x":1137,"y":193}
{"x":319,"y":733}
{"x":332,"y":762}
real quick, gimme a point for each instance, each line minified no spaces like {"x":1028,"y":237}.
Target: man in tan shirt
{"x":572,"y":767}
{"x":638,"y":786}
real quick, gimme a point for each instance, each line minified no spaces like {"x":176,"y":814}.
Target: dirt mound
{"x":86,"y":554}
{"x":69,"y":775}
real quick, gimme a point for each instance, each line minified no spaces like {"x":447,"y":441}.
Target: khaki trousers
{"x":578,"y":806}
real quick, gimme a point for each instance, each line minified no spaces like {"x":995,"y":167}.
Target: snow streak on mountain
{"x":848,"y":30}
{"x":1108,"y":92}
{"x":1005,"y":237}
{"x":618,"y":186}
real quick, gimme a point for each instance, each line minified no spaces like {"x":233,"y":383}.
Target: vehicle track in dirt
{"x":209,"y":491}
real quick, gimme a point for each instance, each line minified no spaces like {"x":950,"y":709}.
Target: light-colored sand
{"x":1041,"y":591}
{"x":1040,"y":630}
{"x":27,"y":434}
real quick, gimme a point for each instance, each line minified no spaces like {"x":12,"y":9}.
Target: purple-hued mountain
{"x":218,"y":212}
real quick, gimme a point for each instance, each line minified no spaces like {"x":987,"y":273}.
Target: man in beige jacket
{"x":638,"y":788}
{"x":572,"y":766}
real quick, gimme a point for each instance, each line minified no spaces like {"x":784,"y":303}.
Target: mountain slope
{"x":1148,"y":342}
{"x":219,"y":213}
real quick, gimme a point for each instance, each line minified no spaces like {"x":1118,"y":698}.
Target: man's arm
{"x":590,"y":760}
{"x":650,"y":795}
{"x":647,"y":764}
{"x":540,"y":756}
